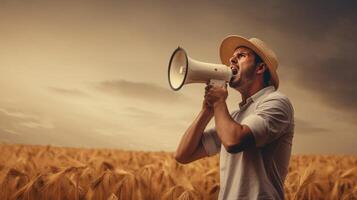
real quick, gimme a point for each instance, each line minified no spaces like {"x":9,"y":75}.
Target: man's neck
{"x":249,"y":91}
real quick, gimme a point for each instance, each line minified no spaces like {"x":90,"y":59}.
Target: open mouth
{"x":235,"y":71}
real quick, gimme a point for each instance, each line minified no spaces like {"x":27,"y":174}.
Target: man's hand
{"x":215,"y":94}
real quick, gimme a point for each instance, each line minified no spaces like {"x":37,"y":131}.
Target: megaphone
{"x":184,"y":70}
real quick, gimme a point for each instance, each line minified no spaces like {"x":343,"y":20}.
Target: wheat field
{"x":47,"y":172}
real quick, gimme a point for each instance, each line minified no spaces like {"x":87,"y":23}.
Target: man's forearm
{"x":227,"y":129}
{"x":190,"y":140}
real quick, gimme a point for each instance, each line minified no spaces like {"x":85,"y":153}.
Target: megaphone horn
{"x":184,"y":70}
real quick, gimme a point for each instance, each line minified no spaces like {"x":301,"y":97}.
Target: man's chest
{"x":244,"y":112}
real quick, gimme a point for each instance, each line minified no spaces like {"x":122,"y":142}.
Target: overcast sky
{"x":94,"y":73}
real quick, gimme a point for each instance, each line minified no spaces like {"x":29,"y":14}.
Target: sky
{"x":94,"y":73}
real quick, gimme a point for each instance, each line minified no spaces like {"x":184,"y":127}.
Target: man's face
{"x":242,"y":61}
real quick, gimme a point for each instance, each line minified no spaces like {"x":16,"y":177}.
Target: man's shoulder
{"x":276,"y":95}
{"x":277,"y":98}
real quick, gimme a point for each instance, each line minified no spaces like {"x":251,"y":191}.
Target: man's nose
{"x":233,"y":60}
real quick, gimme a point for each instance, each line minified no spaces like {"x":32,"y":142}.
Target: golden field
{"x":47,"y":172}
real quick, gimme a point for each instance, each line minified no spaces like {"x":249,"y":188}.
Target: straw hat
{"x":231,"y":42}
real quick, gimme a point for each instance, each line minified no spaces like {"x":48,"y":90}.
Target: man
{"x":255,"y":140}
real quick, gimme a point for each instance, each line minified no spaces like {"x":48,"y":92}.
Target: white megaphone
{"x":184,"y":70}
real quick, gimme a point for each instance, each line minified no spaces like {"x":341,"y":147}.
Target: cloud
{"x":318,"y":39}
{"x":306,"y":20}
{"x":10,"y":131}
{"x":108,"y":132}
{"x":68,"y":92}
{"x":138,"y":113}
{"x":17,"y":114}
{"x":46,"y":124}
{"x":140,"y":91}
{"x":307,"y":128}
{"x":334,"y":74}
{"x":16,"y":118}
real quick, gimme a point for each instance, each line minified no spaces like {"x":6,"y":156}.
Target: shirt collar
{"x":258,"y":94}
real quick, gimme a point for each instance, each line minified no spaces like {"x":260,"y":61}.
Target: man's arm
{"x":272,"y":117}
{"x":234,"y":136}
{"x":191,"y":147}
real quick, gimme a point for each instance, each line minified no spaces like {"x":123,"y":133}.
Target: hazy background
{"x":94,"y":73}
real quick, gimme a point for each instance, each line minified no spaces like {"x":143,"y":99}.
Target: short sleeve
{"x":270,"y":120}
{"x":211,"y":142}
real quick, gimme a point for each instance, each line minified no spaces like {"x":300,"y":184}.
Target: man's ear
{"x":261,"y":68}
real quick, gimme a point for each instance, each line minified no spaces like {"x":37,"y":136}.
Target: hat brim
{"x":232,"y":42}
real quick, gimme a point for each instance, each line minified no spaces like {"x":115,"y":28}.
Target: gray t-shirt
{"x":259,"y":171}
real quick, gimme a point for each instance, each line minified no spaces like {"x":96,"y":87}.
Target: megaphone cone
{"x":184,"y":70}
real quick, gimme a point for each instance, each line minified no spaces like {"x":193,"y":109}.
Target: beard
{"x":243,"y":79}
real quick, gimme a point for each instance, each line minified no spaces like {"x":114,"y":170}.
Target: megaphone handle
{"x":215,"y":82}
